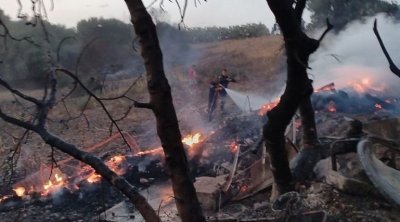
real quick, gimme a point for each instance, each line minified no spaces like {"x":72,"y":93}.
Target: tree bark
{"x":167,"y":124}
{"x":298,"y":88}
{"x":310,"y":135}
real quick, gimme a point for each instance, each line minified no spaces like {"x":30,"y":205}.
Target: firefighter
{"x":217,"y":92}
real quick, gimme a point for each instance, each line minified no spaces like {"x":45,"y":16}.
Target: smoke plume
{"x":354,"y":56}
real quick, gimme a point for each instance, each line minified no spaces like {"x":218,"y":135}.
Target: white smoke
{"x":354,"y":56}
{"x":248,"y":101}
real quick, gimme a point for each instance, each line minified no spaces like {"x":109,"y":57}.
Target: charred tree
{"x":310,"y":135}
{"x":298,"y":88}
{"x":162,"y":106}
{"x":39,"y":126}
{"x":392,"y":66}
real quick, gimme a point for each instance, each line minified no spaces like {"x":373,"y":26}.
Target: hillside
{"x":253,"y":61}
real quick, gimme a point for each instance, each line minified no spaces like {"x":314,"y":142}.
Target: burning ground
{"x":227,"y":149}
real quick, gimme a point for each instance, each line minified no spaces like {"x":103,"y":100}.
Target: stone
{"x":348,"y":185}
{"x":208,"y":191}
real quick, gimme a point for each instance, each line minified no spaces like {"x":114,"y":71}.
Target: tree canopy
{"x":341,"y":12}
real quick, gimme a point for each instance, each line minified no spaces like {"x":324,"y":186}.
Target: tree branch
{"x":7,"y":34}
{"x":20,"y":94}
{"x":329,"y":27}
{"x":97,"y":164}
{"x":60,"y":45}
{"x":392,"y":66}
{"x":17,"y":122}
{"x":143,"y":105}
{"x":123,"y":95}
{"x":98,"y":100}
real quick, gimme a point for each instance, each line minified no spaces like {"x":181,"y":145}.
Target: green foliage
{"x":212,"y":34}
{"x":23,"y":60}
{"x":110,"y":46}
{"x":341,"y":12}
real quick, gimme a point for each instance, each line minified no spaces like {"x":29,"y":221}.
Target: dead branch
{"x":143,"y":105}
{"x":17,"y":149}
{"x":60,"y":45}
{"x":125,"y":114}
{"x":7,"y":34}
{"x":167,"y":123}
{"x":124,"y":94}
{"x":329,"y":27}
{"x":98,"y":100}
{"x":392,"y":66}
{"x":119,"y":182}
{"x":20,"y":94}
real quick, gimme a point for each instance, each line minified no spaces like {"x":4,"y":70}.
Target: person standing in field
{"x":217,"y":92}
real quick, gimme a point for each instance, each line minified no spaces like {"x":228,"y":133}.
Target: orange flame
{"x":244,"y":188}
{"x":19,"y":191}
{"x":152,"y":151}
{"x":233,"y":147}
{"x":114,"y":164}
{"x":331,"y":107}
{"x":4,"y":198}
{"x":267,"y":107}
{"x":363,"y":86}
{"x":190,"y":140}
{"x":378,"y":106}
{"x":53,"y":184}
{"x":93,"y":178}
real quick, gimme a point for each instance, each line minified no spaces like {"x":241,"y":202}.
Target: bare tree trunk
{"x":310,"y":136}
{"x":298,"y":89}
{"x":167,"y":124}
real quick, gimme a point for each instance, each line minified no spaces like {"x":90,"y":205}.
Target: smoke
{"x":354,"y":56}
{"x":247,"y":102}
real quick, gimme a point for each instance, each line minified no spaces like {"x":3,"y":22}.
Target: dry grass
{"x":255,"y":62}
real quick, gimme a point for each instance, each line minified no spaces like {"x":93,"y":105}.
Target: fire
{"x":233,"y":147}
{"x":58,"y":178}
{"x":244,"y":188}
{"x":151,"y":151}
{"x":331,"y":107}
{"x":190,"y":140}
{"x":361,"y":86}
{"x":93,"y":178}
{"x":267,"y":107}
{"x":19,"y":191}
{"x":4,"y":198}
{"x":114,"y":164}
{"x":378,"y":106}
{"x":47,"y":185}
{"x":54,"y":183}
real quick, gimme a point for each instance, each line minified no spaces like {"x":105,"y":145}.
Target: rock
{"x":209,"y":191}
{"x":348,"y":185}
{"x":322,"y":167}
